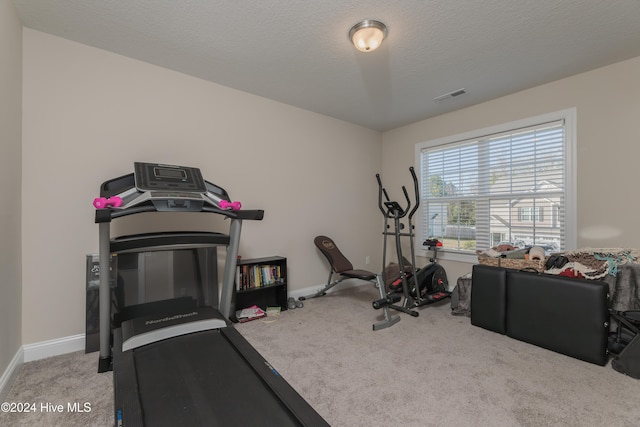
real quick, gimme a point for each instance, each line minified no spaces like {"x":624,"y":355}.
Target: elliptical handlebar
{"x":380,"y":191}
{"x":406,"y":196}
{"x":416,"y":190}
{"x":395,"y":206}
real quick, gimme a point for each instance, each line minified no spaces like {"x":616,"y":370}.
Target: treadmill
{"x":177,"y":362}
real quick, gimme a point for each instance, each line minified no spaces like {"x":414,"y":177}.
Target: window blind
{"x":507,"y":187}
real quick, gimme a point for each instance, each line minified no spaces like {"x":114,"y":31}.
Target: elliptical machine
{"x":414,"y":288}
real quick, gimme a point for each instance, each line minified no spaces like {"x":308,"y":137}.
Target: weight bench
{"x":339,"y":265}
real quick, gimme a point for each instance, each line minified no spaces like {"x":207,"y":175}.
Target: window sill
{"x":444,"y":255}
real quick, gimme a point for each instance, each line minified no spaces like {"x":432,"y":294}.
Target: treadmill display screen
{"x":160,"y":172}
{"x":162,"y":177}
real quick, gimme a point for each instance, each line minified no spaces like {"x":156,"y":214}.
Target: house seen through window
{"x":506,"y":185}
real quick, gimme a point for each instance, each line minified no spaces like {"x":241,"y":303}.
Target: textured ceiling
{"x":298,"y":53}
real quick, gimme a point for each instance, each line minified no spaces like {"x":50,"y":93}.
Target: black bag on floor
{"x":625,"y":342}
{"x":461,"y":297}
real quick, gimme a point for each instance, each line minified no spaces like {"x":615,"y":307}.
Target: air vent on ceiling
{"x":450,"y":95}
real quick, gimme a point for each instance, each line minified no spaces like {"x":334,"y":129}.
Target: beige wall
{"x":10,"y":177}
{"x":89,"y":114}
{"x":607,"y":102}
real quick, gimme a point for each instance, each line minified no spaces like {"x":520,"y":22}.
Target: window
{"x":531,"y":214}
{"x":507,"y":184}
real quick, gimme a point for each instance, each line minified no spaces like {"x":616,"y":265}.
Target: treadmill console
{"x":166,"y":188}
{"x":160,"y":177}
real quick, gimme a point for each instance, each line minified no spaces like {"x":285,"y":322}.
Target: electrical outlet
{"x":367,"y":260}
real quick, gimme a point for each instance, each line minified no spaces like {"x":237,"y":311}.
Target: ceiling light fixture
{"x":367,"y":35}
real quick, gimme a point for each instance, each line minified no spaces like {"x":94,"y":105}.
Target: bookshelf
{"x":261,"y":282}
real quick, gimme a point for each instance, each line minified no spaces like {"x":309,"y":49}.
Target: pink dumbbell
{"x":224,"y":204}
{"x":103,"y":202}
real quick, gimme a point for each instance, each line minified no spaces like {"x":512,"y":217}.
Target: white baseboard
{"x":55,"y":347}
{"x":37,"y":351}
{"x":9,"y":376}
{"x":349,"y":283}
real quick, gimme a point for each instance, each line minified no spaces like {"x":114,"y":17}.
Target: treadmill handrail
{"x":108,"y":214}
{"x":172,"y":240}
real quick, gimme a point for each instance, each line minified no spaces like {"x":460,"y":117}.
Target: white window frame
{"x":569,"y":117}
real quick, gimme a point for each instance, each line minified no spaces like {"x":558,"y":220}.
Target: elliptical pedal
{"x":438,"y":296}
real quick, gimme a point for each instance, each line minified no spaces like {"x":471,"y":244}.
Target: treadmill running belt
{"x":200,"y":379}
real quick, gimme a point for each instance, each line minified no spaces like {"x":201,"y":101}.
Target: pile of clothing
{"x":585,"y":263}
{"x":591,"y":263}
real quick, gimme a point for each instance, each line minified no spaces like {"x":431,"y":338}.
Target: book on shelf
{"x":252,"y":276}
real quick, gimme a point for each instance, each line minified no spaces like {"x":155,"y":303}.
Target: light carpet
{"x":433,"y":370}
